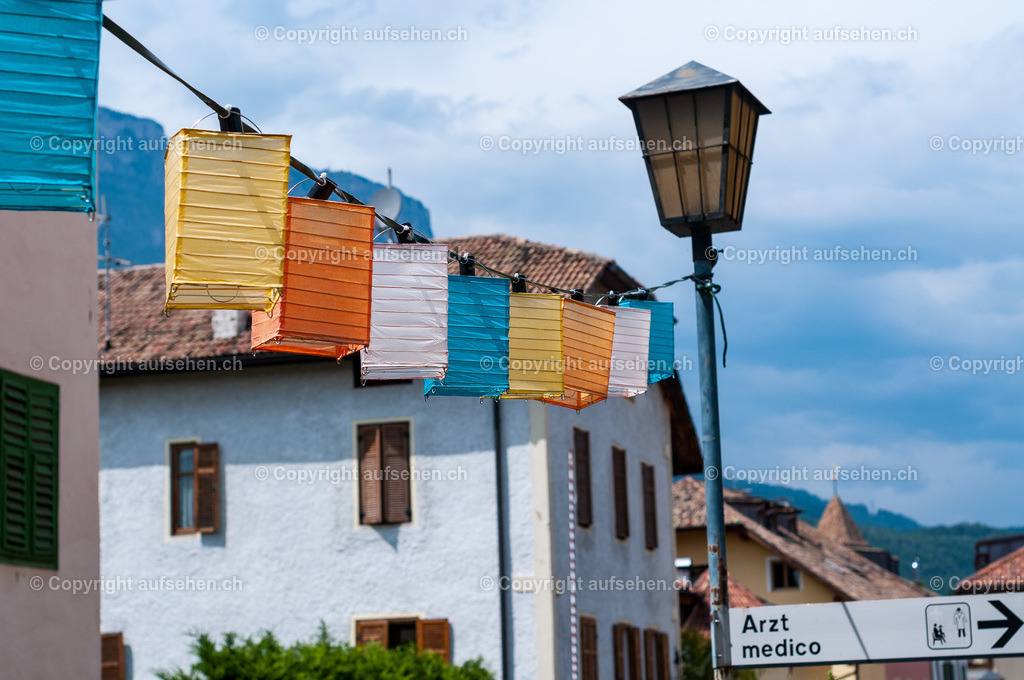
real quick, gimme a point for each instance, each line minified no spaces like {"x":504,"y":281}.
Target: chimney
{"x":228,"y":323}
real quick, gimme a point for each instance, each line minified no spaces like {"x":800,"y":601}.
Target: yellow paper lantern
{"x":534,"y":346}
{"x":225,"y":205}
{"x":587,"y":336}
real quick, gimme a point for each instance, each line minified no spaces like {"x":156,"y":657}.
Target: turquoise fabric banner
{"x":49,"y":61}
{"x":661,"y":358}
{"x":477,"y":339}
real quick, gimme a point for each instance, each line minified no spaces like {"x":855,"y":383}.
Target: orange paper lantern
{"x":587,"y":334}
{"x":324,"y":308}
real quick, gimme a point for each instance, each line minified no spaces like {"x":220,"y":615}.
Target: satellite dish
{"x":387,"y":202}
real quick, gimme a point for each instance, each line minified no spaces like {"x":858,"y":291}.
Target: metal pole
{"x":703,"y":256}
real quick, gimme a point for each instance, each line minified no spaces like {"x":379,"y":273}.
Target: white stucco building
{"x":230,"y":499}
{"x":49,"y":447}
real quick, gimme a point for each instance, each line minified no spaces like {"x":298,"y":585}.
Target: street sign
{"x":872,"y":631}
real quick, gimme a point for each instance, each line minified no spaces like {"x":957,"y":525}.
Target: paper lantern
{"x":534,"y":346}
{"x":408,"y":313}
{"x":478,"y":328}
{"x":225,"y":205}
{"x":661,"y":355}
{"x":630,"y":348}
{"x":587,"y":335}
{"x":49,"y":57}
{"x":324,"y":308}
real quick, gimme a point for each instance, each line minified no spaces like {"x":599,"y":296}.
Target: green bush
{"x":695,"y":658}
{"x":319,"y":659}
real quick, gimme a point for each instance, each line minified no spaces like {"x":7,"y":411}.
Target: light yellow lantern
{"x":225,"y":205}
{"x":534,"y":346}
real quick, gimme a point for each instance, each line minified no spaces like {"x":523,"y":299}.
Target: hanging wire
{"x":403,"y":229}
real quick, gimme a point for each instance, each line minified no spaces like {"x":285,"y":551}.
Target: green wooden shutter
{"x":29,"y":440}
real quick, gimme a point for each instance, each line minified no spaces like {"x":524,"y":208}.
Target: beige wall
{"x":48,"y":309}
{"x":747,"y":562}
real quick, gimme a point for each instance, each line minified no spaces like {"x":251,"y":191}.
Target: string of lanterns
{"x":316,"y":282}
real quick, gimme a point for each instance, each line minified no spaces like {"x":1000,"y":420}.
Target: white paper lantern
{"x":408,"y":313}
{"x":630,"y":345}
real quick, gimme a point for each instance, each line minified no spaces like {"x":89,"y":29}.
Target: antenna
{"x":103,"y":222}
{"x":387,"y":202}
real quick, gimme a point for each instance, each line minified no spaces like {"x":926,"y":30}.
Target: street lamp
{"x":697,"y":129}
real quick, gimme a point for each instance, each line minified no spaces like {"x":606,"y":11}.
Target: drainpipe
{"x":504,"y":547}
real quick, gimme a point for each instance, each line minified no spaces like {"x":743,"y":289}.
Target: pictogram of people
{"x":960,"y":621}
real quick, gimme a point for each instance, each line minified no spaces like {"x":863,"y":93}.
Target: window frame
{"x":174,"y":449}
{"x":770,"y":563}
{"x":385,"y":521}
{"x":420,"y":623}
{"x":31,"y":555}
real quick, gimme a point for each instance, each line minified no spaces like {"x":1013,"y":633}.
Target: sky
{"x":909,"y":367}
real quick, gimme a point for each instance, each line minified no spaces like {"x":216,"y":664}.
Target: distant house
{"x":273,"y":491}
{"x":49,"y":447}
{"x":1003,"y":575}
{"x":777,"y":558}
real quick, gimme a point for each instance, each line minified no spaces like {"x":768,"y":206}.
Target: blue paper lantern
{"x":49,"y":61}
{"x":661,"y":357}
{"x":477,"y":339}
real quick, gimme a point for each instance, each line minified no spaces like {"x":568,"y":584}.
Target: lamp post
{"x":697,"y":128}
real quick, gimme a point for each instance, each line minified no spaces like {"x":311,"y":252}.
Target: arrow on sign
{"x":1011,"y":623}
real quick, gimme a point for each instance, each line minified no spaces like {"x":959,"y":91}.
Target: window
{"x":621,"y":497}
{"x":384,"y":472}
{"x":429,"y":635}
{"x":626,"y":645}
{"x":112,"y":656}
{"x":782,"y":576}
{"x":650,"y":507}
{"x":584,"y":501}
{"x":195,"y":488}
{"x":29,"y":436}
{"x":588,"y":648}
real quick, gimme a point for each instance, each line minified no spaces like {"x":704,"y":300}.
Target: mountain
{"x":945,"y":553}
{"x":130,"y":169}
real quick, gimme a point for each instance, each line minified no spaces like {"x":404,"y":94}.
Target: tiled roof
{"x":837,"y":524}
{"x":1004,"y":575}
{"x":851,"y":576}
{"x":553,"y":265}
{"x":699,"y":616}
{"x":141,"y":332}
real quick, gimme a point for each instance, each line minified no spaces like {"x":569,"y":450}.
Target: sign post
{"x":874,"y":631}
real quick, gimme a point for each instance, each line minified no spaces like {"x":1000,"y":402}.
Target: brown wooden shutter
{"x":112,"y":656}
{"x":663,"y":657}
{"x":372,"y":632}
{"x":620,"y":491}
{"x":207,"y":488}
{"x":651,"y":653}
{"x":650,"y":507}
{"x":397,"y":504}
{"x":617,"y":651}
{"x":434,"y":636}
{"x":584,"y":498}
{"x":371,"y":507}
{"x":588,"y":648}
{"x":635,"y":654}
